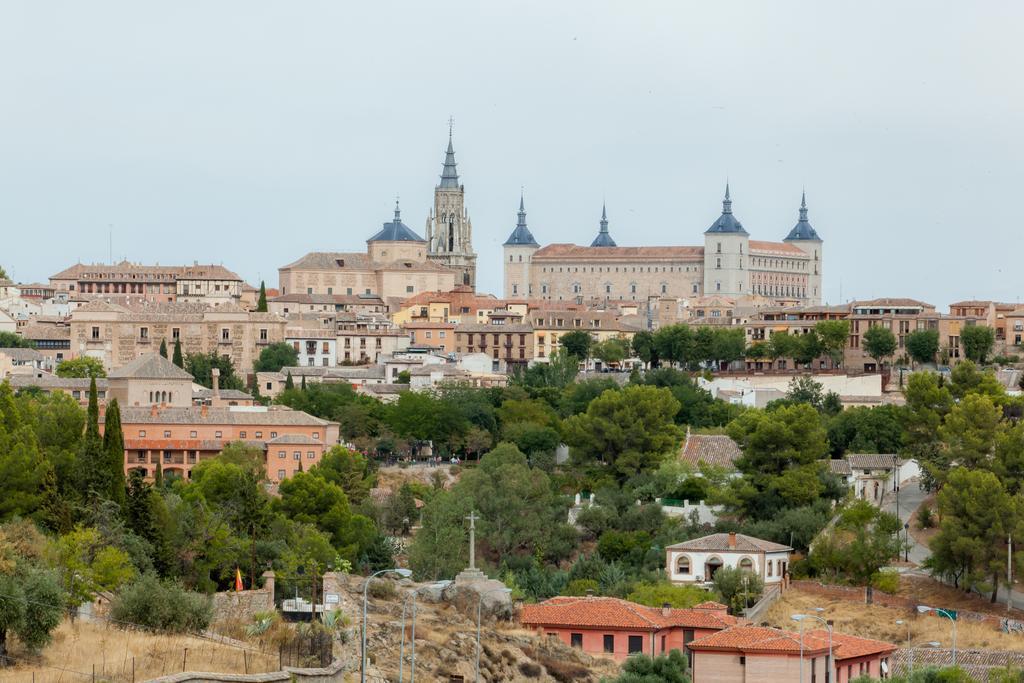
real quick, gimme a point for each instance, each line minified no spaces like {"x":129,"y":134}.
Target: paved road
{"x":911,"y":497}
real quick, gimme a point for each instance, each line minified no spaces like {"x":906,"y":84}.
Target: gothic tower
{"x":449,"y":230}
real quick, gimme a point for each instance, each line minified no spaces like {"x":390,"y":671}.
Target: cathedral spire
{"x":727,"y":202}
{"x":803,"y":206}
{"x":449,"y":174}
{"x":398,"y":212}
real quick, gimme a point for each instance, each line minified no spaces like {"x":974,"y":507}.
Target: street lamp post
{"x":479,"y":611}
{"x":906,"y":548}
{"x":401,"y":647}
{"x":945,"y":613}
{"x":404,"y":573}
{"x":799,"y":618}
{"x":438,"y":584}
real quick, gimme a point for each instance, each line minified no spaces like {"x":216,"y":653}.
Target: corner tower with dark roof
{"x":449,"y":230}
{"x":726,"y":254}
{"x":806,"y":239}
{"x":396,"y":241}
{"x":518,"y":251}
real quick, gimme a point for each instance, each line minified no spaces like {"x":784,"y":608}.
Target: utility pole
{"x":1009,"y":573}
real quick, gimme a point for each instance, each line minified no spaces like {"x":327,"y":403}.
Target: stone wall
{"x":241,"y":604}
{"x":329,"y":674}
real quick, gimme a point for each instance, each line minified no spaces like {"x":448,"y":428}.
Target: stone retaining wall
{"x":329,"y":674}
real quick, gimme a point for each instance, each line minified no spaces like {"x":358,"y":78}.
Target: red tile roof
{"x":759,"y":639}
{"x":596,"y":612}
{"x":845,"y":646}
{"x":717,"y":450}
{"x":766,"y":639}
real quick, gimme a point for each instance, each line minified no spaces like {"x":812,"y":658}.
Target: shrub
{"x":530,"y":670}
{"x":925,"y":517}
{"x":581,"y":587}
{"x":162,"y":605}
{"x":657,"y":594}
{"x":382,"y":589}
{"x":886,"y":580}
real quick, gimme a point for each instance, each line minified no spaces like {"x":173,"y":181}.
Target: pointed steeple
{"x":727,"y":222}
{"x":521,"y":235}
{"x":396,"y":231}
{"x":398,"y":212}
{"x":603,"y":239}
{"x":803,"y":230}
{"x":449,"y":174}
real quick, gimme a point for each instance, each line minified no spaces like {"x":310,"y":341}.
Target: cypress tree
{"x":158,"y":476}
{"x":177,"y":359}
{"x":261,"y":304}
{"x":303,"y":382}
{"x":113,"y":446}
{"x":93,"y":473}
{"x":289,"y":383}
{"x":163,"y":348}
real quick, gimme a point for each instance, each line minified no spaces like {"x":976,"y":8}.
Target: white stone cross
{"x":472,"y":539}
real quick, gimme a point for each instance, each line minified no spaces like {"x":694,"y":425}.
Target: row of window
{"x":296,"y":455}
{"x":625,"y":269}
{"x":219,"y":434}
{"x":225,"y":333}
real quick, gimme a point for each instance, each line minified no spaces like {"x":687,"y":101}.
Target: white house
{"x":696,"y":561}
{"x":871,"y":475}
{"x":315,"y":347}
{"x":7,"y":323}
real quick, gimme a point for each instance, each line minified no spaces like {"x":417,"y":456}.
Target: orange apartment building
{"x":180,"y":438}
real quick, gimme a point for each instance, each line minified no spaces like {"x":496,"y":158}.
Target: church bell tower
{"x":449,"y":230}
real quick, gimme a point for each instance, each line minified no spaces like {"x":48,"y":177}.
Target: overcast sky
{"x":251,"y":132}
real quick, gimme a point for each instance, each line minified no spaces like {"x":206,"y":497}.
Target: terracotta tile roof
{"x":720,"y":543}
{"x":137,"y":272}
{"x":268,"y":417}
{"x":845,"y":646}
{"x":573,"y":251}
{"x":710,"y":604}
{"x":759,"y":246}
{"x":712,"y":449}
{"x":760,"y":639}
{"x":870,"y":461}
{"x":885,"y":302}
{"x":839,"y":466}
{"x":150,"y":366}
{"x":600,"y":612}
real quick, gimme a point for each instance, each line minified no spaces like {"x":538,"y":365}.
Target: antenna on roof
{"x":110,"y":242}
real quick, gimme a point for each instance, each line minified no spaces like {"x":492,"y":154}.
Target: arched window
{"x":769,"y":568}
{"x":683,"y":565}
{"x":747,"y":563}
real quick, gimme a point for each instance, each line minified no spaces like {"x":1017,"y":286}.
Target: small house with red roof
{"x":759,"y":654}
{"x":619,"y":628}
{"x":696,"y":561}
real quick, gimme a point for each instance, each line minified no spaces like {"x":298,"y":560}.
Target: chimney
{"x":215,"y":381}
{"x":666,"y":609}
{"x":732,"y":539}
{"x":152,"y":410}
{"x":203,"y":410}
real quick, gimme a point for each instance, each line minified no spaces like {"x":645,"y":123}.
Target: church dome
{"x":803,"y":230}
{"x":396,"y":231}
{"x":727,"y":222}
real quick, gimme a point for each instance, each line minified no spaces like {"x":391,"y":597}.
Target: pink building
{"x":619,"y":628}
{"x":757,"y":654}
{"x":181,"y":438}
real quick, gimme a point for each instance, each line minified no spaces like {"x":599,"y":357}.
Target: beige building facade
{"x":198,"y":283}
{"x":117,"y":334}
{"x":728,"y":264}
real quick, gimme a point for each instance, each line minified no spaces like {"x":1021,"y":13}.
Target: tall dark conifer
{"x":113,"y":446}
{"x":177,"y":358}
{"x":261,"y":304}
{"x":163,"y":348}
{"x":289,"y":383}
{"x":93,"y":473}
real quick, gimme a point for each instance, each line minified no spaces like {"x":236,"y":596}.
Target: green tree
{"x":861,"y":429}
{"x":739,"y":588}
{"x":163,"y":348}
{"x":401,"y":512}
{"x":11,"y":340}
{"x":805,"y":389}
{"x":93,"y":461}
{"x":261,"y":302}
{"x":977,"y":341}
{"x":276,"y":356}
{"x":674,"y":343}
{"x":978,"y":515}
{"x":576,"y":343}
{"x":348,"y":469}
{"x":89,"y":565}
{"x":970,"y":432}
{"x":23,"y":469}
{"x":113,"y":447}
{"x":610,"y":351}
{"x":923,"y":345}
{"x":670,"y":668}
{"x":968,"y":378}
{"x":201,"y":365}
{"x":289,"y":383}
{"x":176,"y":358}
{"x":928,"y":403}
{"x":83,"y":366}
{"x":728,"y":345}
{"x":833,"y":335}
{"x":879,"y":343}
{"x":3,"y":274}
{"x":862,"y":541}
{"x":311,"y":499}
{"x":629,"y":430}
{"x":31,"y":608}
{"x":644,"y":349}
{"x":783,"y":345}
{"x":162,"y":605}
{"x":440,"y":547}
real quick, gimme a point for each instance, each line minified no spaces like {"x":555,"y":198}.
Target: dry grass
{"x":75,"y":650}
{"x":872,"y":621}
